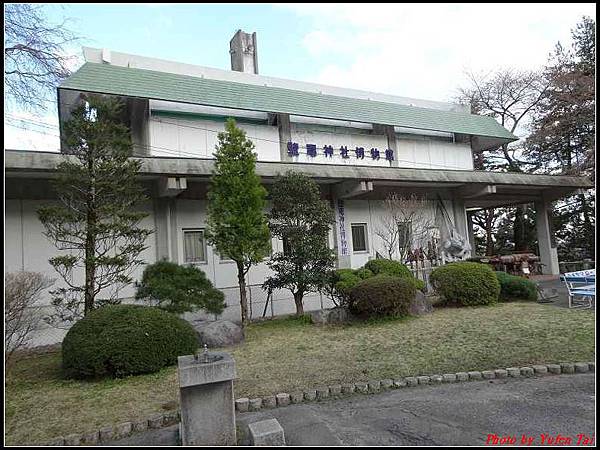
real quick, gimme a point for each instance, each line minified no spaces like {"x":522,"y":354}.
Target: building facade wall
{"x":180,"y":135}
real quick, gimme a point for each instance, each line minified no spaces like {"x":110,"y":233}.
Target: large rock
{"x":420,"y":305}
{"x":220,"y":333}
{"x":329,"y":316}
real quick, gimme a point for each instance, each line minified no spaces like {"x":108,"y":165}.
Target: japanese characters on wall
{"x":293,"y":149}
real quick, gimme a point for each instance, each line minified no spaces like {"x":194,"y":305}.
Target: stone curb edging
{"x":119,"y":431}
{"x":320,"y":393}
{"x":124,"y":429}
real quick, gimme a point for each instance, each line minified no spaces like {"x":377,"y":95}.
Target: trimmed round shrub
{"x":121,"y":340}
{"x":388,"y":267}
{"x":516,"y":288}
{"x":393,"y":269}
{"x":381,"y":296}
{"x":466,"y":284}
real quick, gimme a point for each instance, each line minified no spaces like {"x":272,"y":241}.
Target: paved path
{"x":452,"y":414}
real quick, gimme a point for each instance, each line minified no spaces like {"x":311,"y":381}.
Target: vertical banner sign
{"x":342,"y":228}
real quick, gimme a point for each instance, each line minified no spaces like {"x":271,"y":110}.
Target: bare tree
{"x":21,"y":291}
{"x":405,"y":224}
{"x":510,"y":96}
{"x":35,"y":55}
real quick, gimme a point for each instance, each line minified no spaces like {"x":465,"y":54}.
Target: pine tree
{"x":302,"y":220}
{"x":95,"y":223}
{"x":236,"y":222}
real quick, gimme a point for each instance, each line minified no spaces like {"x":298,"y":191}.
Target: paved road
{"x":452,"y":414}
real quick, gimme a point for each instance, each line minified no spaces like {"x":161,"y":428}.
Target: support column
{"x":471,"y":233}
{"x":285,"y":133}
{"x":546,"y":239}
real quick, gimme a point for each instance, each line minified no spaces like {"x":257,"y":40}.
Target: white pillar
{"x":546,"y":238}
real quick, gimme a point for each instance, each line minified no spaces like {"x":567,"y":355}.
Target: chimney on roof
{"x":242,"y":48}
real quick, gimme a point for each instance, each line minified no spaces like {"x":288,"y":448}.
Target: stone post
{"x":207,"y":401}
{"x":546,"y":240}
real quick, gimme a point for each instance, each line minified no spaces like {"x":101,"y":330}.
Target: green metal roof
{"x":125,"y":81}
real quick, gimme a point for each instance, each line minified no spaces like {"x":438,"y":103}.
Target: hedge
{"x":120,"y":340}
{"x":516,"y":288}
{"x":393,"y":268}
{"x":466,"y":284}
{"x":382,"y":295}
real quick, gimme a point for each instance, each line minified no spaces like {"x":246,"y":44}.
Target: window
{"x":404,"y":234}
{"x":194,"y":246}
{"x":359,"y":237}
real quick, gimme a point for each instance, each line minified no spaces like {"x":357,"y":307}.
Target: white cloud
{"x":423,"y":50}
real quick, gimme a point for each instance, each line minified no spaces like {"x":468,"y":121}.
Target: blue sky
{"x":405,"y":49}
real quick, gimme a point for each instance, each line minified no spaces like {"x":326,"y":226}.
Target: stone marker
{"x":123,"y":429}
{"x":242,"y":404}
{"x":91,"y":438}
{"x":336,"y":389}
{"x":374,"y":385}
{"x":540,"y":369}
{"x":297,"y":397}
{"x":266,"y":433}
{"x":106,"y":434}
{"x":423,"y":379}
{"x":581,"y":367}
{"x":436,"y":379}
{"x":462,"y":376}
{"x":513,"y":372}
{"x":488,"y":374}
{"x":283,"y":399}
{"x":206,"y":398}
{"x":412,"y":381}
{"x":567,"y":368}
{"x":322,"y":392}
{"x":553,"y":368}
{"x":255,"y":404}
{"x":387,"y":383}
{"x":347,"y":388}
{"x":140,"y":425}
{"x":401,"y":383}
{"x":527,"y":371}
{"x":475,"y":375}
{"x":501,"y":373}
{"x":270,"y":401}
{"x":361,"y":387}
{"x":310,"y":395}
{"x":449,"y":378}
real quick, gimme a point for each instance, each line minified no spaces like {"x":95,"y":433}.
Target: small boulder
{"x":220,"y":333}
{"x":329,"y":316}
{"x":420,"y":305}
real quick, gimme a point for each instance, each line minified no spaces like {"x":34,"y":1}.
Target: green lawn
{"x":287,"y":355}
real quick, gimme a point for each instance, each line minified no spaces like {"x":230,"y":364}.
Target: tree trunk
{"x":90,"y":272}
{"x":299,"y":305}
{"x":587,"y":225}
{"x":489,"y":241}
{"x":90,"y":242}
{"x":521,"y":243}
{"x":243,"y":299}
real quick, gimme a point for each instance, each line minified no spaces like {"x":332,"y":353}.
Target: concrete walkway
{"x":449,"y":414}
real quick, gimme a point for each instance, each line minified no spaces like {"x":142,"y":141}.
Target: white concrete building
{"x":359,"y":146}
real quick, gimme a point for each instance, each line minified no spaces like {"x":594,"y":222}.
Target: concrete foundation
{"x":207,"y":400}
